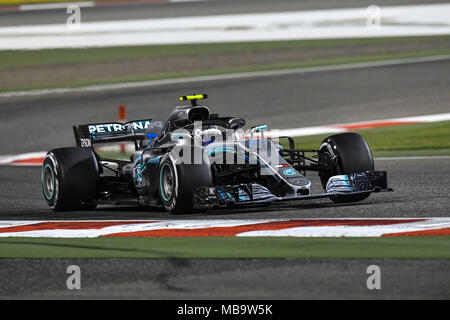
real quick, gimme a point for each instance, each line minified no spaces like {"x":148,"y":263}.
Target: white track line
{"x":8,"y":159}
{"x":176,"y":1}
{"x":52,"y":6}
{"x":407,"y":20}
{"x":39,"y":163}
{"x":337,"y":128}
{"x":412,"y":158}
{"x":81,"y":4}
{"x":230,"y":76}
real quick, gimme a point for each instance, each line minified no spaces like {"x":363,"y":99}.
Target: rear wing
{"x":88,"y":134}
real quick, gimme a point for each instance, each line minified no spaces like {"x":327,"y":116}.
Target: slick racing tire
{"x":178,"y":182}
{"x":345,"y":153}
{"x":70,"y":179}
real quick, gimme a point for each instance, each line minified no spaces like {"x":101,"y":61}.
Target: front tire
{"x":178,"y":182}
{"x":345,"y":153}
{"x":70,"y":179}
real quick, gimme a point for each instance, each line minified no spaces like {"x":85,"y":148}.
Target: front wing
{"x":206,"y":197}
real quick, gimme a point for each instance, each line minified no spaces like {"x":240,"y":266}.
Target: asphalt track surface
{"x":421,"y":188}
{"x":187,"y":9}
{"x":237,"y":279}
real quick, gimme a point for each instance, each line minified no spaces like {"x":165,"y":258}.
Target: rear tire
{"x":345,"y":153}
{"x":177,"y":183}
{"x":70,"y":179}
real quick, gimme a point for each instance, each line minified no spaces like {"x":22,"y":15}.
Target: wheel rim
{"x":167,"y":182}
{"x":48,"y":182}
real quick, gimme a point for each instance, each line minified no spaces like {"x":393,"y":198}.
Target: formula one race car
{"x":196,"y":160}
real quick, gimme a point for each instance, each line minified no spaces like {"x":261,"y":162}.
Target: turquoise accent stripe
{"x":48,"y":197}
{"x":160,"y":182}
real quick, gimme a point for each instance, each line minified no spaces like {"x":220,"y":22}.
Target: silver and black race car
{"x":197,"y":160}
